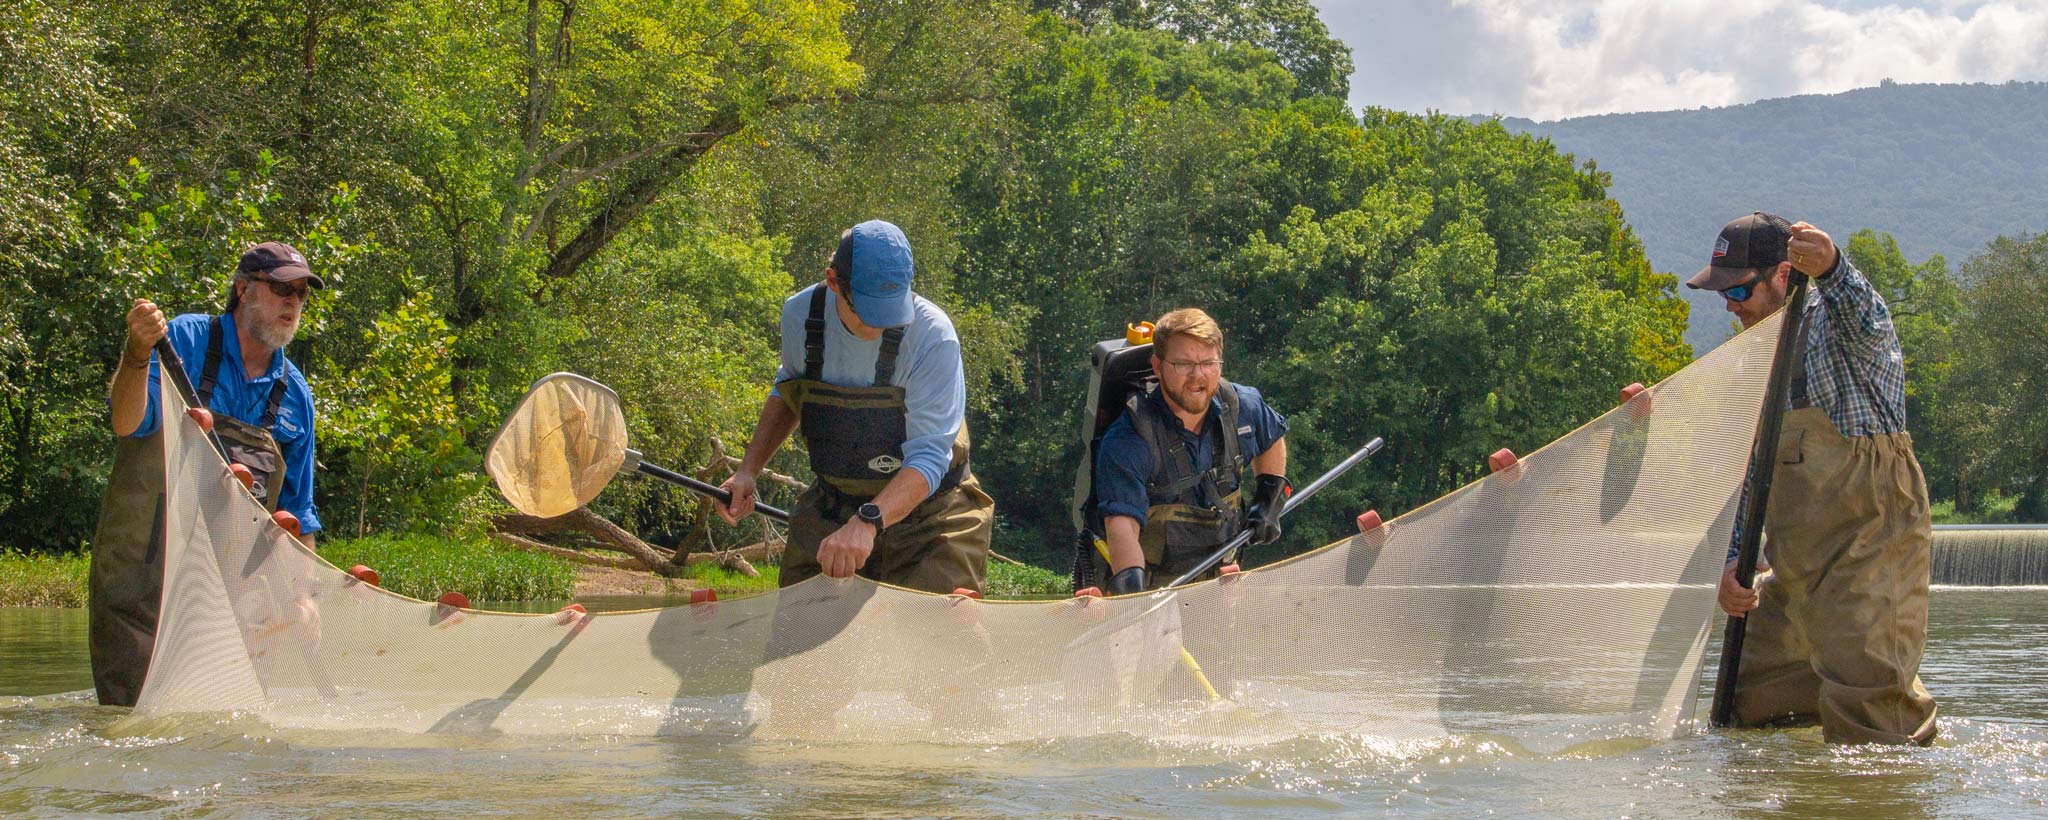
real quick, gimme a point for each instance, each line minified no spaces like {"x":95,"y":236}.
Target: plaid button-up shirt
{"x":1854,"y":369}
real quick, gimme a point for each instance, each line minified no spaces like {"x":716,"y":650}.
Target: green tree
{"x":2001,"y":369}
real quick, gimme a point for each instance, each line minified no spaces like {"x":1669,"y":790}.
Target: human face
{"x":272,"y":318}
{"x":847,"y":315}
{"x":1766,"y":295}
{"x":1188,"y":372}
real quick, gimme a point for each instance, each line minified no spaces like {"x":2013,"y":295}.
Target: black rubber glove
{"x":1131,"y":580}
{"x":1267,"y":500}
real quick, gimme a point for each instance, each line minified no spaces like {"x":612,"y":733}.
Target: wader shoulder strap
{"x":276,"y":401}
{"x":1173,"y":469}
{"x":814,"y":337}
{"x":1231,"y":457}
{"x":885,"y":362}
{"x":208,"y":370}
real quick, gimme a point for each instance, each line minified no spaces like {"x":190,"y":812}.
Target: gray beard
{"x":271,"y":335}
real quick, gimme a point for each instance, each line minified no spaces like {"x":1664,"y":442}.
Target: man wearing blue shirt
{"x":1167,"y":472}
{"x":871,"y":374}
{"x":1837,"y":628}
{"x":262,"y":411}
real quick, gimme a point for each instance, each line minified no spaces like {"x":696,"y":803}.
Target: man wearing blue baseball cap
{"x":871,"y":374}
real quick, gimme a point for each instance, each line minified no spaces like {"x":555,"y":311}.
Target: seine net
{"x":1562,"y":601}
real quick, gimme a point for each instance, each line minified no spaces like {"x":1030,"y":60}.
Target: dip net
{"x":1565,"y":600}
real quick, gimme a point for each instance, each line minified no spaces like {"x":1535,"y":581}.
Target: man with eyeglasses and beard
{"x":1837,"y":627}
{"x":1169,"y":472}
{"x":262,"y":411}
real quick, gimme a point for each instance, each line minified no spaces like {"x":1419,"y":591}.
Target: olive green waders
{"x":1838,"y":636}
{"x":855,"y":436}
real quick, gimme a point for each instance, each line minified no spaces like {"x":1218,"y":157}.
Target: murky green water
{"x":1985,"y":664}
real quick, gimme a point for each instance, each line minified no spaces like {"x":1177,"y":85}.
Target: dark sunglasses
{"x":285,"y":290}
{"x":1742,"y":292}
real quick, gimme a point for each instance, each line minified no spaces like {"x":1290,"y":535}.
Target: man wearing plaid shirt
{"x":1837,"y":628}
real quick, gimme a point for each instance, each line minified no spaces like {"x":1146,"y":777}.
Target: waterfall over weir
{"x":1991,"y":555}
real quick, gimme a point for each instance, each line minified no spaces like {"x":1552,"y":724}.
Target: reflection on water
{"x":60,"y":754}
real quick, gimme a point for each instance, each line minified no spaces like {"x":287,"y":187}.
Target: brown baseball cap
{"x":278,"y":261}
{"x":1745,"y":245}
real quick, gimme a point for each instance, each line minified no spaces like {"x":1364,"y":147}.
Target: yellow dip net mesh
{"x":1563,"y":601}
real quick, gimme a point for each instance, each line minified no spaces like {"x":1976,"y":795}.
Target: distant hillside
{"x":1945,"y":168}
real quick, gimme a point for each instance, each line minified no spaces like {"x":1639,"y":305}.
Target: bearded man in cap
{"x":1837,"y":628}
{"x":262,"y":411}
{"x":871,"y":373}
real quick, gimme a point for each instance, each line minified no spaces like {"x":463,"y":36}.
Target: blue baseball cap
{"x":874,"y":260}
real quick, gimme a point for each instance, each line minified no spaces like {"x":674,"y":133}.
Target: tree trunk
{"x":609,"y":536}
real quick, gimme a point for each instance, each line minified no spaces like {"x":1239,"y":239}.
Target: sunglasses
{"x":1742,"y":292}
{"x":285,"y":290}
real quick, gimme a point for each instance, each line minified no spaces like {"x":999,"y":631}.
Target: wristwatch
{"x":871,"y":513}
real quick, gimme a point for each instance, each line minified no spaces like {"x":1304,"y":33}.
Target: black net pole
{"x":712,"y":490}
{"x":171,"y":367}
{"x":1763,"y":466}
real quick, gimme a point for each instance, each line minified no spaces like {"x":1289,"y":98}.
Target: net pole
{"x":1763,"y":467}
{"x":1293,"y":500}
{"x":722,"y":496}
{"x":173,"y":368}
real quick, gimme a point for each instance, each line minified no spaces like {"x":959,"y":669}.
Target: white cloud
{"x":1549,"y":59}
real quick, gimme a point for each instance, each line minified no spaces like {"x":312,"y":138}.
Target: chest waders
{"x":1191,"y":513}
{"x":1842,"y":622}
{"x":855,"y":436}
{"x":125,"y":583}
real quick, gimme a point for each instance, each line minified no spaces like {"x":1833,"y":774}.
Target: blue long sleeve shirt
{"x":244,"y":399}
{"x":928,"y":368}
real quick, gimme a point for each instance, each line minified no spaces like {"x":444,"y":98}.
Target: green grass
{"x":1007,"y":580}
{"x":34,"y":579}
{"x":1994,"y":508}
{"x":726,"y":582}
{"x":424,"y":566}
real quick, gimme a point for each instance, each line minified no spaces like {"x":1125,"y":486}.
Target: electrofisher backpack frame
{"x":1119,"y":370}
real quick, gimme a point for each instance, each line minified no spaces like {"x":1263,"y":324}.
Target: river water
{"x":59,"y":756}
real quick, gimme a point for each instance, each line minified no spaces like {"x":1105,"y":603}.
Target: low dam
{"x":1984,"y":555}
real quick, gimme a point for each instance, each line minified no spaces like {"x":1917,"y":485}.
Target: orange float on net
{"x":706,"y":595}
{"x":570,"y":614}
{"x":287,"y":521}
{"x":243,"y":475}
{"x":454,"y":600}
{"x":1369,"y":521}
{"x":1088,"y":592}
{"x":365,"y":575}
{"x":1636,"y":398}
{"x":967,"y":593}
{"x":203,"y":416}
{"x":1502,"y":459}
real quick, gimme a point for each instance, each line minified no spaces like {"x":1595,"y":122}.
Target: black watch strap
{"x":871,"y":513}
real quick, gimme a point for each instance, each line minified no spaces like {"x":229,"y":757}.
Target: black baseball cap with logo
{"x":1745,"y":245}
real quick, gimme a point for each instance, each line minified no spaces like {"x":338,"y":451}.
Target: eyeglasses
{"x":1210,"y":365}
{"x":285,"y":290}
{"x":1742,"y":292}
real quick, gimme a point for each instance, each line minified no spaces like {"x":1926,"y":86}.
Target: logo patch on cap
{"x":1720,"y":247}
{"x":885,"y":464}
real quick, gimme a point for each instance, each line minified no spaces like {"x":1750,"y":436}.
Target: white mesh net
{"x":1565,"y":600}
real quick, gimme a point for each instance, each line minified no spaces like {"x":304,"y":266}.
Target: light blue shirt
{"x":244,"y":399}
{"x":928,"y":369}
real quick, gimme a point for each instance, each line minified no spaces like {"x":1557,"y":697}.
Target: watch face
{"x":871,"y":513}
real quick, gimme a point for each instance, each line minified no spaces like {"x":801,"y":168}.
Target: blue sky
{"x":1549,"y":59}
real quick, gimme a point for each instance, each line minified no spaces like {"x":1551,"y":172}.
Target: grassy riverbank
{"x":425,"y":566}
